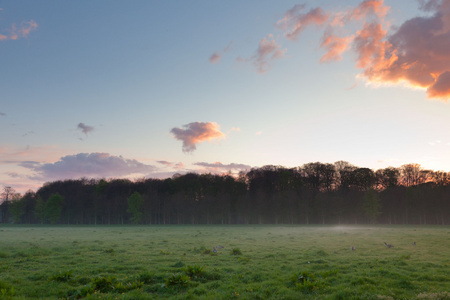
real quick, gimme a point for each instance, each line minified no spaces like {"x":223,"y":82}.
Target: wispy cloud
{"x":176,"y":166}
{"x":415,"y":53}
{"x":29,"y":153}
{"x":215,"y":58}
{"x":295,"y":21}
{"x":2,"y":114}
{"x":197,"y":132}
{"x":85,"y":128}
{"x":21,"y":31}
{"x":268,"y":50}
{"x":92,"y":165}
{"x":218,"y":167}
{"x":28,"y":133}
{"x":334,"y":45}
{"x":217,"y":55}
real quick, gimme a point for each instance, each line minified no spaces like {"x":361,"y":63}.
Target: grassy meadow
{"x":256,"y":262}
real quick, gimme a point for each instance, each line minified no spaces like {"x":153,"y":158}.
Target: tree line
{"x":315,"y":193}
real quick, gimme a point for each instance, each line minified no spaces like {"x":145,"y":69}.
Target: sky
{"x":148,"y":89}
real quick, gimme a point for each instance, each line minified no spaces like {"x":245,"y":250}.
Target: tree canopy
{"x":319,"y":193}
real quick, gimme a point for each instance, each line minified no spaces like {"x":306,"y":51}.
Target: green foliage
{"x":177,"y":279}
{"x":120,"y":287}
{"x":39,"y":210}
{"x":7,"y":291}
{"x":109,"y":251}
{"x":17,"y":209}
{"x":62,"y":276}
{"x":178,"y":264}
{"x":306,"y":282}
{"x":236,"y":251}
{"x":434,"y":296}
{"x":146,"y":277}
{"x":194,"y":271}
{"x":275,"y":266}
{"x":103,"y":283}
{"x":372,"y":207}
{"x":135,"y":207}
{"x":206,"y":251}
{"x":53,"y":208}
{"x":244,"y":260}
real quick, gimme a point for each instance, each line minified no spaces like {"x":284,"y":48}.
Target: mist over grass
{"x":224,"y":262}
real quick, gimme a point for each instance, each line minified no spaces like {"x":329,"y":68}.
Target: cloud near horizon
{"x":92,"y":165}
{"x":196,"y":132}
{"x":176,"y":166}
{"x":219,"y":167}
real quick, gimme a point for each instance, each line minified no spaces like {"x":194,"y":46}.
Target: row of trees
{"x":315,"y":193}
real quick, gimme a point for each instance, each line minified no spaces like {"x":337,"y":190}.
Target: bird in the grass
{"x":388,"y":245}
{"x":353,"y":248}
{"x":214,"y":249}
{"x":414,"y":243}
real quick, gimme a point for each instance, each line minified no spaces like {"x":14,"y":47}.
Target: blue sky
{"x":99,"y":89}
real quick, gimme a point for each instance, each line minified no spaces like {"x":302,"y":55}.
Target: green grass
{"x":256,"y":262}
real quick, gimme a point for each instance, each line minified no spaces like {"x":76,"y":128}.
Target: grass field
{"x":256,"y":262}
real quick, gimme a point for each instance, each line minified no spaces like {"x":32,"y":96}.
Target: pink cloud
{"x":27,"y":27}
{"x":370,"y":46}
{"x":197,"y":132}
{"x":20,"y":32}
{"x":91,"y":165}
{"x":367,"y":8}
{"x":176,"y":166}
{"x":416,"y":53}
{"x":268,"y":50}
{"x":335,"y":46}
{"x":295,"y":22}
{"x":215,"y":58}
{"x":217,"y":55}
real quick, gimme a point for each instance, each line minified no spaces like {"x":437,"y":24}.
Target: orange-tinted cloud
{"x":367,"y":8}
{"x":295,"y":21}
{"x":335,"y":46}
{"x":197,"y":132}
{"x":19,"y":32}
{"x":416,"y":53}
{"x":370,"y":45}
